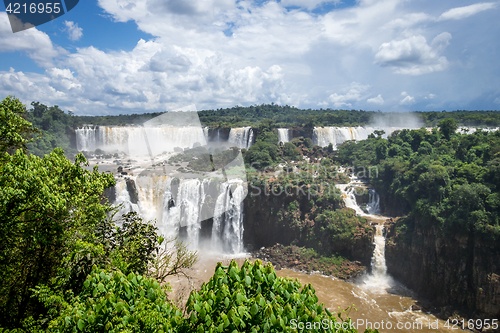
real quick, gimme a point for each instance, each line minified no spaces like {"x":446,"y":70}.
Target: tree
{"x":15,"y":131}
{"x":448,"y":127}
{"x":48,"y":205}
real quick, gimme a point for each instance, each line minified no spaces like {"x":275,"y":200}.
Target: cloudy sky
{"x":127,"y":56}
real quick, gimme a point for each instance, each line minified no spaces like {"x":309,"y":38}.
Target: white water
{"x":283,"y":135}
{"x":378,"y":281}
{"x":241,"y":136}
{"x":323,"y":136}
{"x":138,"y":140}
{"x":184,"y":206}
{"x":349,"y":193}
{"x":227,"y":229}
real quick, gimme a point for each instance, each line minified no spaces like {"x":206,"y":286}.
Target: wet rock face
{"x":132,"y":190}
{"x":458,"y":273}
{"x":290,"y":219}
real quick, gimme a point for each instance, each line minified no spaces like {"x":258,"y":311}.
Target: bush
{"x":114,"y":302}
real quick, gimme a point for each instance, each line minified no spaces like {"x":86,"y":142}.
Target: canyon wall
{"x":457,"y":273}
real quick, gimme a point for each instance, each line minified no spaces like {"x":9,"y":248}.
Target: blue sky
{"x":127,"y":56}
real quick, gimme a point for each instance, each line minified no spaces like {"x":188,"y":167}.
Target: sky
{"x":133,"y":56}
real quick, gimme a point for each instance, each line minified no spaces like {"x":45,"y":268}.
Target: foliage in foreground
{"x":253,"y":299}
{"x":114,"y":302}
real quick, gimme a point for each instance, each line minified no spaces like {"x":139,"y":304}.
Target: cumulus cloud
{"x":466,"y":11}
{"x":309,"y":4}
{"x":407,"y":100}
{"x":413,"y":55}
{"x":73,"y":30}
{"x":35,"y":43}
{"x":376,"y":100}
{"x":354,"y":92}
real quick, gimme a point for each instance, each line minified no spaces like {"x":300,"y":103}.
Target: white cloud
{"x":218,"y":53}
{"x":36,"y":44}
{"x":466,"y":11}
{"x":413,"y":55}
{"x":354,"y":92}
{"x":309,"y":4}
{"x":407,"y":100}
{"x":376,"y":100}
{"x":73,"y":30}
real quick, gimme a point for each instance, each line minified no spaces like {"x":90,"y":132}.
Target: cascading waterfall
{"x":180,"y":204}
{"x":283,"y":135}
{"x":373,"y":206}
{"x":241,"y":136}
{"x":378,"y":280}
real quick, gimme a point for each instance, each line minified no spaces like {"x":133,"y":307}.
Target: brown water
{"x":385,"y":305}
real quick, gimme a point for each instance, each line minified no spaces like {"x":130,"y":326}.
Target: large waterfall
{"x":138,"y":140}
{"x":323,"y":136}
{"x":183,"y":207}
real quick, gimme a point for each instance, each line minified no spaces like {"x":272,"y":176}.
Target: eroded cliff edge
{"x":458,"y":273}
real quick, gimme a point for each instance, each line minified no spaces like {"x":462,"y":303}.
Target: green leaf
{"x":81,"y":324}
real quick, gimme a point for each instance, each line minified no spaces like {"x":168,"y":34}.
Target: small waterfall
{"x":241,"y":136}
{"x":379,"y":281}
{"x":379,"y":268}
{"x":349,"y":194}
{"x":373,"y":206}
{"x":283,"y":135}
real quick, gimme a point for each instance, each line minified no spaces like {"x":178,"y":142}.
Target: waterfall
{"x":378,"y":281}
{"x":379,"y":268}
{"x":323,"y":136}
{"x":180,"y":205}
{"x":283,"y":135}
{"x":227,"y":229}
{"x":123,"y":199}
{"x":373,"y":206}
{"x":86,"y":138}
{"x":139,"y":140}
{"x":349,"y":193}
{"x":241,"y":136}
